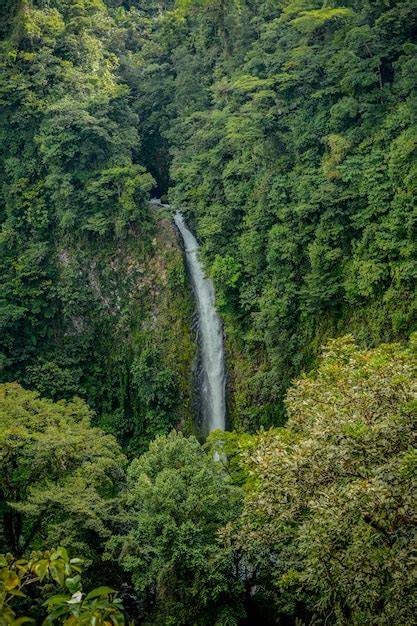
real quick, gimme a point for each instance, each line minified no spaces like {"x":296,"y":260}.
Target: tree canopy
{"x":285,"y":132}
{"x":330,"y":515}
{"x":177,"y":501}
{"x":293,"y":146}
{"x":59,"y":475}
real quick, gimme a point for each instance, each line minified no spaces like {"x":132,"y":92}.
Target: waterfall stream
{"x":210,"y":333}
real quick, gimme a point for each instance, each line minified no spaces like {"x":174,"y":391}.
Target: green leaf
{"x":117,"y":619}
{"x":99,"y":591}
{"x":41,"y":568}
{"x":58,"y":599}
{"x":11,"y":581}
{"x":17,"y":592}
{"x":58,"y":612}
{"x":60,"y":552}
{"x":74,"y":584}
{"x":76,"y":598}
{"x":57,"y":572}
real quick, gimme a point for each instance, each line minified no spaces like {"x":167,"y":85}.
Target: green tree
{"x":59,"y":476}
{"x":177,"y":501}
{"x":329,"y":518}
{"x":72,"y":194}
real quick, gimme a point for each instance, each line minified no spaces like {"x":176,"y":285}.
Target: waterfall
{"x":210,"y":333}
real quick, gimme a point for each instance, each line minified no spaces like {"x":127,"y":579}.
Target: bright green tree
{"x":177,"y":501}
{"x":330,"y":518}
{"x":59,"y":476}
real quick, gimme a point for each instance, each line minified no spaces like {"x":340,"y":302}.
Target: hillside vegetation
{"x":91,"y":275}
{"x":314,"y":521}
{"x":293,"y":143}
{"x":286,"y":132}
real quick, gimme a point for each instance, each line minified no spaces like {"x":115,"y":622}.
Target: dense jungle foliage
{"x":286,"y":131}
{"x":83,"y":261}
{"x":294,"y":152}
{"x":314,"y":521}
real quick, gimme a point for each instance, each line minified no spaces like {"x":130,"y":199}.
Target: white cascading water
{"x":211,"y":333}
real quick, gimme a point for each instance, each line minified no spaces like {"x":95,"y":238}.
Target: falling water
{"x":211,"y":334}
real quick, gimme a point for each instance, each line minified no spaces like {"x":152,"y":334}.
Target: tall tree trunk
{"x":12,"y":529}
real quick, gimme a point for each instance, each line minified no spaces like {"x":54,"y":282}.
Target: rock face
{"x":122,"y":337}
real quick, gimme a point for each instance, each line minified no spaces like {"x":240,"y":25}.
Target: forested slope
{"x":89,"y":272}
{"x":313,"y":523}
{"x":285,"y":131}
{"x":292,"y":130}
